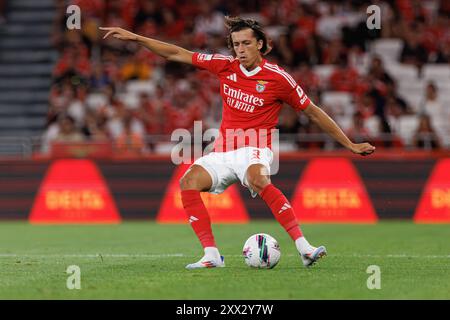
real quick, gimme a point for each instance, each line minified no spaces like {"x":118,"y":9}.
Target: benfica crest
{"x":261,"y":86}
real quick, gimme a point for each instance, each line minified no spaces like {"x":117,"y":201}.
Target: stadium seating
{"x":26,"y":62}
{"x":407,"y":126}
{"x":129,"y":99}
{"x":324,"y":72}
{"x":387,"y":49}
{"x":96,"y":100}
{"x":403,"y":72}
{"x":413,"y":92}
{"x":344,"y":122}
{"x":339,"y":102}
{"x":443,"y":88}
{"x":372,"y":124}
{"x":436,"y":72}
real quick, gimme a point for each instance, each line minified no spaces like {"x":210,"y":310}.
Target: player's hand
{"x":363,"y":149}
{"x":119,"y":33}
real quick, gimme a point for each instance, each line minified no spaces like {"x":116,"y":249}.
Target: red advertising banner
{"x":73,"y":191}
{"x":330,"y":190}
{"x":226,"y":207}
{"x":434,"y":205}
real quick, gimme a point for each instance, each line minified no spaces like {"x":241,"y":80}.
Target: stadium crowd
{"x":120,"y":92}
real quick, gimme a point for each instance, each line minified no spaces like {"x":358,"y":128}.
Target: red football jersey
{"x":252,"y":100}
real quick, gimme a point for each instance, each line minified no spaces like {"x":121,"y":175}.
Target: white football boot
{"x":207,"y":262}
{"x":313,"y":256}
{"x":211,"y":259}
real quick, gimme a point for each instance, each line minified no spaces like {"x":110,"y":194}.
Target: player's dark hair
{"x":235,"y":24}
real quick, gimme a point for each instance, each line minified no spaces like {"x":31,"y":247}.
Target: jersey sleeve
{"x":293,"y":94}
{"x":214,"y":63}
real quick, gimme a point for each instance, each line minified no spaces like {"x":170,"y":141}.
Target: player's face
{"x":247,"y":48}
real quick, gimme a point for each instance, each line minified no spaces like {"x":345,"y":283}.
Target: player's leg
{"x":258,"y":178}
{"x":194,"y":181}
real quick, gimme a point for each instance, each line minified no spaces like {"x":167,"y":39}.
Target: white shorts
{"x":226,"y":168}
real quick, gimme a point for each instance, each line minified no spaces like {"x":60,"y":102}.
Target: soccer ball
{"x":261,"y":251}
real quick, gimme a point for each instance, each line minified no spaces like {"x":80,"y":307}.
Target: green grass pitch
{"x":144,"y":260}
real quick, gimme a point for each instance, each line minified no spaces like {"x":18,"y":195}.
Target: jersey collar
{"x":254,"y":71}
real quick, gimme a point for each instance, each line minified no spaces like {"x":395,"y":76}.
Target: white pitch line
{"x":181,"y":255}
{"x":99,"y":255}
{"x":405,"y":256}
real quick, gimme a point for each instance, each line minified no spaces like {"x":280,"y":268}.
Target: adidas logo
{"x":232,"y":77}
{"x":192,"y":219}
{"x":284,"y":207}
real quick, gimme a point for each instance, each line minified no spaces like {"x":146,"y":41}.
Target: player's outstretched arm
{"x":323,"y":120}
{"x":166,"y":50}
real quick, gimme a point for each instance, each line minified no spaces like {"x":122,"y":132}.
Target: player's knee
{"x":190,"y":182}
{"x":258,"y":183}
{"x":187,"y":182}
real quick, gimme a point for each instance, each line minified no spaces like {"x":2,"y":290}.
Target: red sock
{"x":198,"y":217}
{"x":282,"y":210}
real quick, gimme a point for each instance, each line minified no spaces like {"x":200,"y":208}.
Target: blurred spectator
{"x":95,"y":128}
{"x":386,"y":138}
{"x":73,"y":62}
{"x":425,"y":136}
{"x":100,"y":78}
{"x":281,"y":51}
{"x":174,"y":25}
{"x":443,"y":53}
{"x":365,"y":106}
{"x":378,"y":72}
{"x":209,"y":21}
{"x":315,"y":139}
{"x":149,"y":13}
{"x":433,"y":107}
{"x":91,"y":8}
{"x":388,"y":19}
{"x":129,"y":142}
{"x":67,"y":131}
{"x":435,"y":34}
{"x":182,"y":112}
{"x":343,"y":78}
{"x":289,"y":122}
{"x":77,"y":107}
{"x":431,"y":104}
{"x":333,"y":52}
{"x":357,"y":131}
{"x":306,"y":78}
{"x":357,"y":57}
{"x":329,"y":25}
{"x":114,"y":112}
{"x":61,"y":95}
{"x":116,"y":13}
{"x":394,"y":104}
{"x":136,"y":68}
{"x":150,"y":111}
{"x":410,"y":10}
{"x":413,"y":52}
{"x":394,"y":107}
